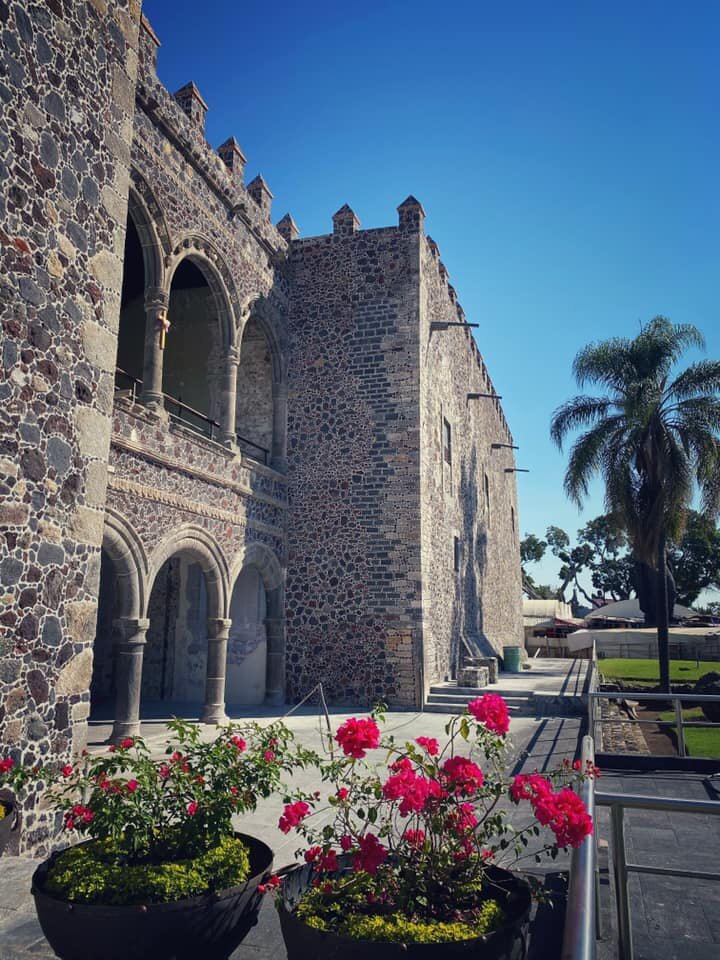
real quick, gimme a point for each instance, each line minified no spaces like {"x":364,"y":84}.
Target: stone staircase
{"x":448,"y":697}
{"x":552,"y":687}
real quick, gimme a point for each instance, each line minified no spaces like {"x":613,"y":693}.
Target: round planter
{"x":7,"y":824}
{"x":209,"y":926}
{"x":509,"y":942}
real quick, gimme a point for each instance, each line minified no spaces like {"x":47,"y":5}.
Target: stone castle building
{"x":306,"y":477}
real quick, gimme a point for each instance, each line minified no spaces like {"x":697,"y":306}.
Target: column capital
{"x":129,"y":630}
{"x":218,"y":628}
{"x":156,"y":298}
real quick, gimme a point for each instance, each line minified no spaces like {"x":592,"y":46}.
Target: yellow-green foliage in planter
{"x":97,"y":872}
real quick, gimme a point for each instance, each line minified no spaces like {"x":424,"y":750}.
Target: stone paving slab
{"x":537,"y":744}
{"x":671,"y":918}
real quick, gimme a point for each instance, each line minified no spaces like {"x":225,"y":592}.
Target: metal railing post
{"x":679,"y":723}
{"x":622,"y":899}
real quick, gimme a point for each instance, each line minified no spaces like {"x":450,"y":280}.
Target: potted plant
{"x":160,"y":872}
{"x":413,"y":857}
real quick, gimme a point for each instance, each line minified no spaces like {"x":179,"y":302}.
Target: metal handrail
{"x":244,"y":442}
{"x":618,"y":802}
{"x":582,"y":916}
{"x":135,"y":382}
{"x":679,"y":722}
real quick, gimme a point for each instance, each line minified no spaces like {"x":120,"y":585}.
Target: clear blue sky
{"x":567,"y":155}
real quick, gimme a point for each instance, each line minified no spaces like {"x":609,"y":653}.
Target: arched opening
{"x":131,"y":329}
{"x":102,"y":685}
{"x":247,"y":643}
{"x":193,"y":361}
{"x":175,"y":655}
{"x":254,"y":405}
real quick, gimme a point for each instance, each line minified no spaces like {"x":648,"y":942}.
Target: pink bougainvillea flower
{"x":67,"y":770}
{"x":371,"y":853}
{"x":343,"y":793}
{"x":313,"y":854}
{"x":269,"y":756}
{"x":408,"y":787}
{"x":346,"y":841}
{"x":272,"y":883}
{"x":239,"y":743}
{"x":529,"y":786}
{"x":415,"y":838}
{"x":430,"y":744}
{"x":127,"y":743}
{"x":6,"y":765}
{"x":293,"y":815}
{"x":492,"y":711}
{"x":565,"y":814}
{"x":355,"y":736}
{"x":192,"y":808}
{"x":463,"y":776}
{"x":164,"y":771}
{"x":132,"y":786}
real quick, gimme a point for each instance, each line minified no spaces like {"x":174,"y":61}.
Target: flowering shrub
{"x":153,"y":810}
{"x":410,"y":847}
{"x":14,"y":777}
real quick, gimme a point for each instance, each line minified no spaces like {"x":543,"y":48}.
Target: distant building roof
{"x":535,"y":611}
{"x":630,"y":610}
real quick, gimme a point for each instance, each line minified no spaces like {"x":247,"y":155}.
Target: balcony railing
{"x":129,"y":386}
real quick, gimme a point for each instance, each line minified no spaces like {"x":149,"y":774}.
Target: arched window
{"x":254,"y":405}
{"x":131,"y":329}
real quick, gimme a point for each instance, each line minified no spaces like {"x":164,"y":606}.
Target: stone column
{"x":156,"y":302}
{"x":278,"y":454}
{"x":129,"y":650}
{"x":275,"y":682}
{"x":214,"y":709}
{"x":229,"y":398}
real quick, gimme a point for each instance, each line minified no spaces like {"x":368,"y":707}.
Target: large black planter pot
{"x":7,"y":823}
{"x":509,"y":942}
{"x":208,"y":927}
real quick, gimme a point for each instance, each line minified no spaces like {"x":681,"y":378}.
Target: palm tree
{"x":653,"y":440}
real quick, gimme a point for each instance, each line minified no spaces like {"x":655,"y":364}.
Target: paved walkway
{"x":536,"y":744}
{"x":672,"y":918}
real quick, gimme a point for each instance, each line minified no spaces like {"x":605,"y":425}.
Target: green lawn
{"x":700,"y":741}
{"x":646,"y":671}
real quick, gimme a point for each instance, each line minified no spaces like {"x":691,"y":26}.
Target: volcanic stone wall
{"x":68,"y":74}
{"x":470,"y":544}
{"x":353,"y":591}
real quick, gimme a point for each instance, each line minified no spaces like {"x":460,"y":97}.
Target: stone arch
{"x":207,"y":258}
{"x":123,"y":546}
{"x":271,"y":572}
{"x":144,"y":207}
{"x":202,"y":547}
{"x":267,"y":317}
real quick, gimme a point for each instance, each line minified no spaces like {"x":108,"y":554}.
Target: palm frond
{"x":587,"y":456}
{"x":578,"y":412}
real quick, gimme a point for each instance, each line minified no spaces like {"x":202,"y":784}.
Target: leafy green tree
{"x":696,"y":559}
{"x":652,"y":438}
{"x":532,"y":550}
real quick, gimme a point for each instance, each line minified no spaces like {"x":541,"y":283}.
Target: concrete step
{"x":460,"y":698}
{"x":448,"y":706}
{"x":471,"y":693}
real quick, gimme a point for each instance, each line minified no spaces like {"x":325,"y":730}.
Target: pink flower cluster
{"x":410,"y":788}
{"x":491,"y":710}
{"x":564,"y":812}
{"x":293,"y":815}
{"x":78,"y":814}
{"x":429,"y":744}
{"x":324,"y":862}
{"x":6,"y":765}
{"x":462,"y":776}
{"x":357,"y":736}
{"x":371,"y":853}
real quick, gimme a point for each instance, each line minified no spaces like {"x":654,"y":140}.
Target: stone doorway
{"x":102,"y":686}
{"x":175,"y":655}
{"x":247,"y":644}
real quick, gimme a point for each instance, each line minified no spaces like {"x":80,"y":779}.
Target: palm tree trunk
{"x":663,"y":633}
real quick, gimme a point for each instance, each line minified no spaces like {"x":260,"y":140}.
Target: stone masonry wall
{"x":353,"y":609}
{"x":66,"y":85}
{"x":481,"y":600}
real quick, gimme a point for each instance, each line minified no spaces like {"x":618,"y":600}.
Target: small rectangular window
{"x":487,"y":496}
{"x":512,"y":518}
{"x":456,"y":554}
{"x":447,"y":442}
